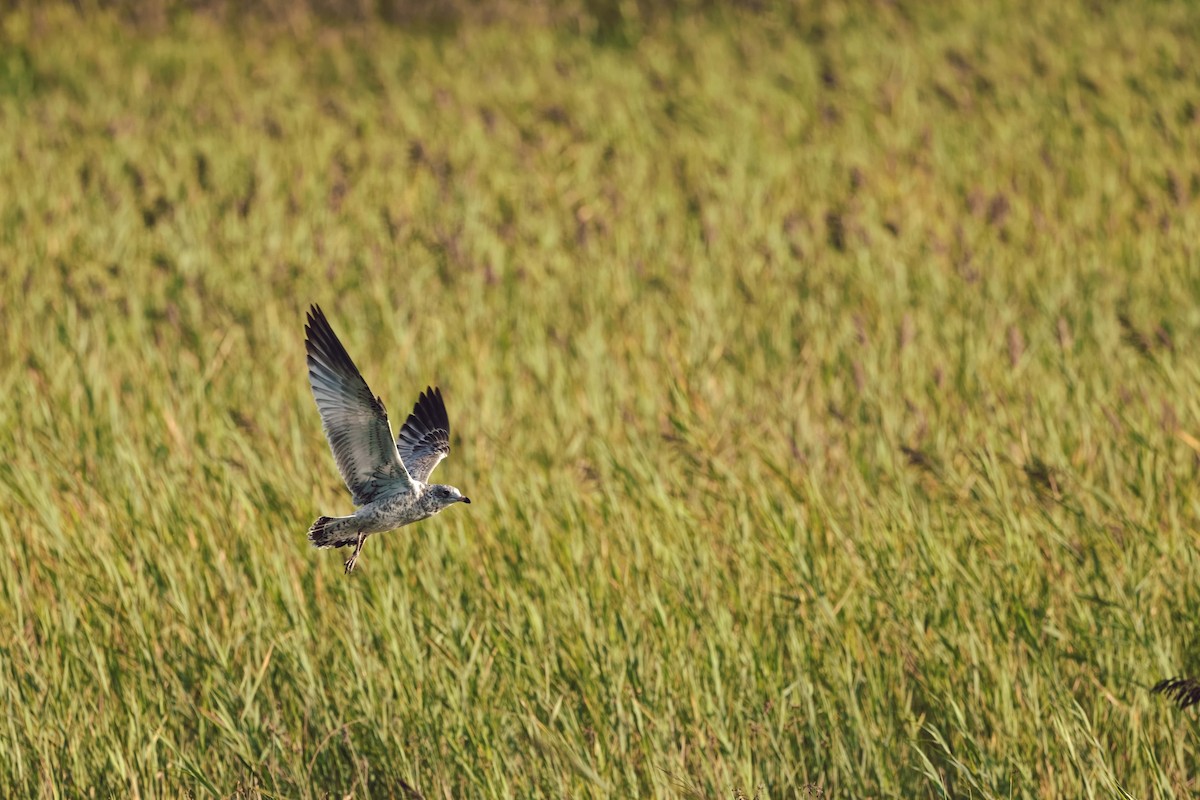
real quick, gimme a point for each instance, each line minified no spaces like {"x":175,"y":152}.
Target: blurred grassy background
{"x":822,"y":375}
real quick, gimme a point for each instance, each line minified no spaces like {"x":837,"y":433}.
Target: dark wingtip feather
{"x":320,"y":340}
{"x":314,"y":313}
{"x":430,"y":410}
{"x":325,"y":352}
{"x":315,"y":325}
{"x":1183,"y":692}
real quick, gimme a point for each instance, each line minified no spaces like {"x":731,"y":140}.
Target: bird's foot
{"x":353,"y":559}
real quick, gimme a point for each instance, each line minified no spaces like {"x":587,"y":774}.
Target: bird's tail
{"x":333,"y":532}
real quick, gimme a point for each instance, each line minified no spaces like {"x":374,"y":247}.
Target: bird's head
{"x":446,"y":496}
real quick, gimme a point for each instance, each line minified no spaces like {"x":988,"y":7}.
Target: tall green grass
{"x":822,"y":378}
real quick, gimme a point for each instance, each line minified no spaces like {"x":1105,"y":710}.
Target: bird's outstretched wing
{"x":1183,"y":692}
{"x":424,"y":438}
{"x":354,"y":419}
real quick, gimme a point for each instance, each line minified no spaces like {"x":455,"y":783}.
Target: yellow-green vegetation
{"x":824,"y":378}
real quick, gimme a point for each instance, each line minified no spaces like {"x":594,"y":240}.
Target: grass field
{"x":823,"y":379}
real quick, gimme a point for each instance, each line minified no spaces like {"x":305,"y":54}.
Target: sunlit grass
{"x":818,"y":379}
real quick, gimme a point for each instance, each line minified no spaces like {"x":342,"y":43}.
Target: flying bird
{"x":387,"y":479}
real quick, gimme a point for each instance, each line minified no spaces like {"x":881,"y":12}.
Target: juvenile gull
{"x":387,"y":480}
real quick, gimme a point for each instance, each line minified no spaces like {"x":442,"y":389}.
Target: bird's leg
{"x":362,"y":537}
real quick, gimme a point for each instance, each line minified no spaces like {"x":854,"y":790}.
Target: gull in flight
{"x":386,"y":478}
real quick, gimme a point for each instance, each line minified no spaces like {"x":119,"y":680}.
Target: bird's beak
{"x":466,"y":499}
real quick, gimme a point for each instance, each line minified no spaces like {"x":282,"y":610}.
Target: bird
{"x":387,"y":477}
